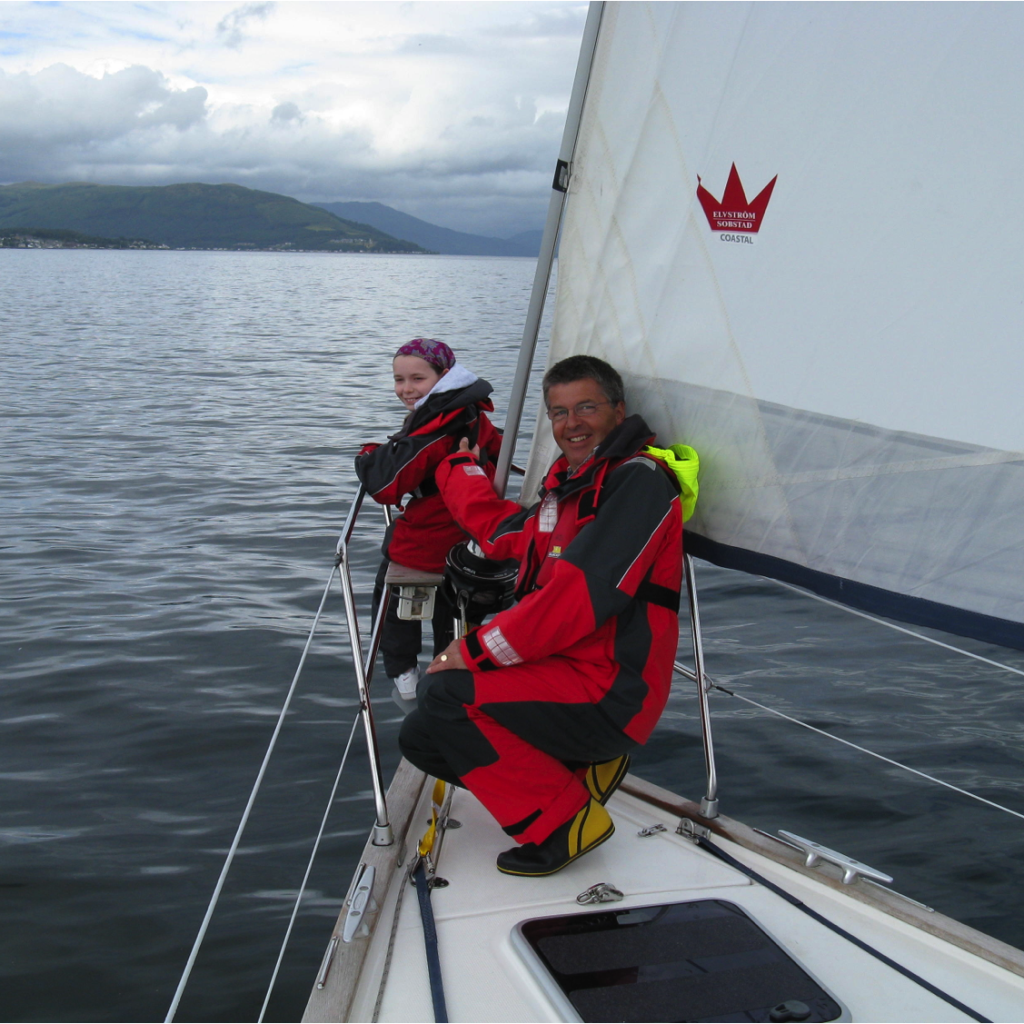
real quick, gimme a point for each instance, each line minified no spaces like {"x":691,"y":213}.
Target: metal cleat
{"x":360,"y":903}
{"x":852,"y":869}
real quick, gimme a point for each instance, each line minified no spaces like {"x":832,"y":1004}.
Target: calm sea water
{"x":177,"y":437}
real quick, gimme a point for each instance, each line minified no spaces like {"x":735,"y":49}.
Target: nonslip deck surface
{"x":487,"y":978}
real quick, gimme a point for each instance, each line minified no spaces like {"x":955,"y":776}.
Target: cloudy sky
{"x":449,"y":111}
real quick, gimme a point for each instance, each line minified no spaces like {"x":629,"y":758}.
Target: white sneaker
{"x":406,"y":683}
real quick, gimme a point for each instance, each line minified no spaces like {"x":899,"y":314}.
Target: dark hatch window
{"x":704,"y":960}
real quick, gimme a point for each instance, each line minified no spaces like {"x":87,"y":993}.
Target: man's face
{"x":579,"y":433}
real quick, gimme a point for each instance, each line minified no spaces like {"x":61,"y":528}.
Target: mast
{"x":559,"y":188}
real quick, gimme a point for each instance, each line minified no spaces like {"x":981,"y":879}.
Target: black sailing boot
{"x":586,"y":829}
{"x":604,"y":777}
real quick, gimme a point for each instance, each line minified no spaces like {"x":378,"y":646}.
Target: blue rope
{"x":718,"y":852}
{"x":430,"y":939}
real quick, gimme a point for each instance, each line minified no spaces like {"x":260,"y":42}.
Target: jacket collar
{"x":441,"y":403}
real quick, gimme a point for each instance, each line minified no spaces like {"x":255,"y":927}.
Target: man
{"x":535,"y":712}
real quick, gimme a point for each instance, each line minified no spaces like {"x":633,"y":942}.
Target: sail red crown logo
{"x":733,"y":212}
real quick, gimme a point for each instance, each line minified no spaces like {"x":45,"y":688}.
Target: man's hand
{"x":464,"y":448}
{"x":450,"y":657}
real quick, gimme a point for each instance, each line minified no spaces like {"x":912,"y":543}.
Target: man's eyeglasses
{"x":583,"y":410}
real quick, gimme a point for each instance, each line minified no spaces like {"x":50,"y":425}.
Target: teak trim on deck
{"x":334,"y":1001}
{"x":946,"y":928}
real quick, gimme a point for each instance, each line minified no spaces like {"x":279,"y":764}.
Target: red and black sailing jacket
{"x":601,"y":569}
{"x":404,"y":465}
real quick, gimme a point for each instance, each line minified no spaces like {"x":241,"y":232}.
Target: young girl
{"x":446,"y":403}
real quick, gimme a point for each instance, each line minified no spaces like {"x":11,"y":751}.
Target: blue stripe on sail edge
{"x":887,"y":603}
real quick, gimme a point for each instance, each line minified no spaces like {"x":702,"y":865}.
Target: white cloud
{"x":451,"y":111}
{"x":421,"y":45}
{"x":285,"y":112}
{"x":231,"y":28}
{"x":546,"y":21}
{"x":60,"y":106}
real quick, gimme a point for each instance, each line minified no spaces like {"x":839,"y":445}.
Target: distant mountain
{"x":191,"y":216}
{"x":430,"y":236}
{"x":530,"y":238}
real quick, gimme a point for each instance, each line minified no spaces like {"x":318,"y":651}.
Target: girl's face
{"x":414,"y":377}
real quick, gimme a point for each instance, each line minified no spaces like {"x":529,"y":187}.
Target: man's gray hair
{"x":568,"y":371}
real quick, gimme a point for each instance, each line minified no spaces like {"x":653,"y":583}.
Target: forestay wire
{"x":248,"y":808}
{"x":309,"y":868}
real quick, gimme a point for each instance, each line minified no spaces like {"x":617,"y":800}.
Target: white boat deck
{"x":487,"y":979}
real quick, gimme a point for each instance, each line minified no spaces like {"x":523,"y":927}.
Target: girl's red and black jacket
{"x":601,"y":570}
{"x":404,"y":465}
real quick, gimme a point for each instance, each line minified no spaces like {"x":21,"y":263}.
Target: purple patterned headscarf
{"x":437,"y":353}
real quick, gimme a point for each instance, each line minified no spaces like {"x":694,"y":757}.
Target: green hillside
{"x":190,"y":216}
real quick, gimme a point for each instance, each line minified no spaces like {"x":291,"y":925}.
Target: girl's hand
{"x":450,"y":657}
{"x":464,"y":448}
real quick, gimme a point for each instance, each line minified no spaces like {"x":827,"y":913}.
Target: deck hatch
{"x":702,"y":960}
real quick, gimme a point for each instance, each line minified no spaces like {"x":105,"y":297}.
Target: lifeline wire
{"x":682,"y":670}
{"x":864,"y":750}
{"x":245,"y":814}
{"x":899,"y":629}
{"x":309,"y":868}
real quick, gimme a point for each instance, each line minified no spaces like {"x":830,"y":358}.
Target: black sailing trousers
{"x":402,"y":639}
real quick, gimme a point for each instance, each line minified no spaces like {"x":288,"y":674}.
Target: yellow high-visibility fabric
{"x":437,"y":801}
{"x":685,"y":463}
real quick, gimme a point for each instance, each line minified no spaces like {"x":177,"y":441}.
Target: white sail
{"x":848,"y":359}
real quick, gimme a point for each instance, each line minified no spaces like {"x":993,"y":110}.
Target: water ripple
{"x":178,"y":432}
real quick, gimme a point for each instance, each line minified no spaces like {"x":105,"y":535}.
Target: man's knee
{"x":442,"y":723}
{"x":445,"y":694}
{"x":419,"y":749}
{"x":413,"y":738}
